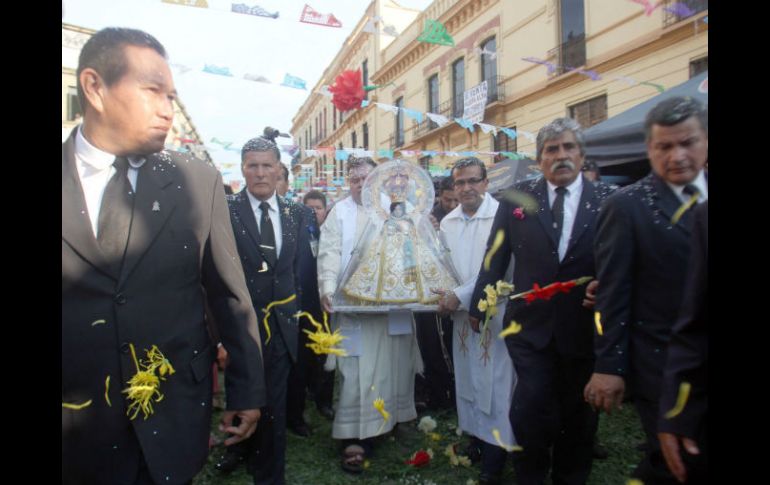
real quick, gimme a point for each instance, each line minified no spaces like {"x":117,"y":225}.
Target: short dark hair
{"x":260,"y":144}
{"x":446,"y":183}
{"x":673,"y":111}
{"x":315,"y":194}
{"x":590,"y":166}
{"x":355,"y":162}
{"x":104,"y":53}
{"x":469,"y":162}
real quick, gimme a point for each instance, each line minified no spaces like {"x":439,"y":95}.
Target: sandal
{"x":353,"y":458}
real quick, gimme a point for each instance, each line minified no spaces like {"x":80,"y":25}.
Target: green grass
{"x":315,"y":460}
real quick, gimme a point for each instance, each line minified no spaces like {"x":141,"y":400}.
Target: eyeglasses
{"x":458,"y":184}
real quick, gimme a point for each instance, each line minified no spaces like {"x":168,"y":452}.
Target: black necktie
{"x":558,"y":211}
{"x":690,"y":190}
{"x":115,"y":214}
{"x":267,"y":235}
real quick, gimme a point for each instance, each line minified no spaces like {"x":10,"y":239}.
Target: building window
{"x":503,"y":142}
{"x":365,"y":130}
{"x":698,"y":66}
{"x":400,"y":123}
{"x":73,"y":103}
{"x":425,"y":162}
{"x":433,"y":98}
{"x":334,"y":118}
{"x":365,"y":75}
{"x":573,"y":34}
{"x":353,"y":139}
{"x":340,"y":118}
{"x":324,"y":123}
{"x":458,"y":87}
{"x":588,"y":113}
{"x":489,"y":69}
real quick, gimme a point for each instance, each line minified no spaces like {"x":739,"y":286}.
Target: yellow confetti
{"x":379,"y":405}
{"x":267,"y":313}
{"x":107,"y":391}
{"x":522,"y":199}
{"x":435,"y":437}
{"x":366,"y":464}
{"x":323,"y":340}
{"x":511,"y":329}
{"x":598,"y":322}
{"x":143,"y":387}
{"x":496,"y":434}
{"x":681,"y":400}
{"x":683,"y":208}
{"x":76,"y":407}
{"x":634,"y":481}
{"x":499,"y":238}
{"x":98,"y":322}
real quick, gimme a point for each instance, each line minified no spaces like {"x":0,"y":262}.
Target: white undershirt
{"x":95,"y":170}
{"x":272,"y":212}
{"x":699,"y":182}
{"x":571,"y":201}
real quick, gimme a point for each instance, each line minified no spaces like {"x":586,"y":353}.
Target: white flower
{"x":427,"y":424}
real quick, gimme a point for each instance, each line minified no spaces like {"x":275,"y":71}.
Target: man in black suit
{"x":143,"y":235}
{"x":684,"y":437}
{"x":270,"y":234}
{"x":641,"y":259}
{"x":553,"y":353}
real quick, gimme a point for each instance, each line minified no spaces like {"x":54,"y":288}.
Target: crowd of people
{"x":163,"y":274}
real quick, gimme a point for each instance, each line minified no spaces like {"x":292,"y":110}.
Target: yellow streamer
{"x":683,"y":208}
{"x":107,"y":391}
{"x":598,"y":322}
{"x":76,"y":407}
{"x":506,"y":447}
{"x":681,"y":400}
{"x":97,"y":322}
{"x":143,"y":386}
{"x":379,"y":405}
{"x":499,"y":238}
{"x":267,"y":313}
{"x":323,"y":340}
{"x":511,"y":329}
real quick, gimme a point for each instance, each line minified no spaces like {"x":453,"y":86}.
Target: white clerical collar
{"x":574,"y":188}
{"x":699,"y":182}
{"x":99,"y":159}
{"x":273,"y":201}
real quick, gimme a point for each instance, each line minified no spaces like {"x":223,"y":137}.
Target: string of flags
{"x":593,"y":75}
{"x":679,"y":9}
{"x":308,"y":15}
{"x":289,"y":80}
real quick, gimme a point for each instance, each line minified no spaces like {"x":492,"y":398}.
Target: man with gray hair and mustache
{"x":548,"y":227}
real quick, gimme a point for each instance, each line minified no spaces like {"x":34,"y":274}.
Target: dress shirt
{"x":571,"y":201}
{"x":699,"y":182}
{"x":95,"y":170}
{"x":275,"y":217}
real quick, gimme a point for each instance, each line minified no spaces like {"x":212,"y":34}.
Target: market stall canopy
{"x":507,"y":172}
{"x":620,"y":139}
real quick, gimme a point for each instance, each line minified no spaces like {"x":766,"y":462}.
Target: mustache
{"x":563,"y":164}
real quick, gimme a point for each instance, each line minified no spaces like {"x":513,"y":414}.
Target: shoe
{"x":300,"y":429}
{"x":473,"y":451}
{"x":229,"y":461}
{"x":327,"y":412}
{"x":599,"y":451}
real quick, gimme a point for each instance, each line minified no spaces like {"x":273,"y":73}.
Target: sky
{"x":233,"y":109}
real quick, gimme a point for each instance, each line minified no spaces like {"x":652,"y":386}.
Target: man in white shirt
{"x":378,"y":364}
{"x":484,"y":374}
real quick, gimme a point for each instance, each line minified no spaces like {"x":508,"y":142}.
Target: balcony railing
{"x":674,"y":12}
{"x":569,"y":55}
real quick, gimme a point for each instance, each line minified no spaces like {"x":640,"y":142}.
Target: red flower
{"x":419,"y":459}
{"x":549,"y":291}
{"x":347,"y":90}
{"x":518,"y":213}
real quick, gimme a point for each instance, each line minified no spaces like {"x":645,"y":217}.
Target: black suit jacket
{"x":174,"y":252}
{"x":281,"y":281}
{"x":641,"y":266}
{"x":308,"y":270}
{"x":533,"y":243}
{"x":687,"y":359}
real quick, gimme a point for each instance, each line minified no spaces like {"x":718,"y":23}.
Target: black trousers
{"x":550,"y":418}
{"x":307,"y":372}
{"x":434,"y":337}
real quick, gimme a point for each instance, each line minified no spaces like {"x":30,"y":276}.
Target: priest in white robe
{"x":484,"y":373}
{"x":382,"y":354}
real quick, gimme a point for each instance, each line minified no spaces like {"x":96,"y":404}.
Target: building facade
{"x":605,"y":57}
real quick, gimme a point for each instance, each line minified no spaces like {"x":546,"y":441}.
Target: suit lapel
{"x":544,"y":212}
{"x":586,"y":208}
{"x":152,"y":208}
{"x":76,"y":225}
{"x":288,"y":230}
{"x":249,"y":221}
{"x":668,"y":203}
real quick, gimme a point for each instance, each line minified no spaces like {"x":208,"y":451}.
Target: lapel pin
{"x":156,"y":206}
{"x":264,"y":267}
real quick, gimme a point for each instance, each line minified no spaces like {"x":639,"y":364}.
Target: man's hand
{"x":246,"y":428}
{"x":669,"y":444}
{"x":222,"y":357}
{"x":326,"y":304}
{"x":590,"y":298}
{"x":605,"y":391}
{"x":474,"y":322}
{"x":448,"y":302}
